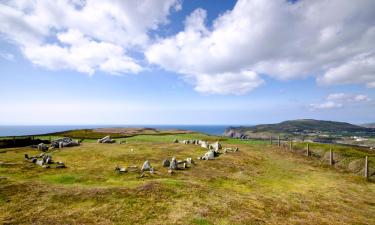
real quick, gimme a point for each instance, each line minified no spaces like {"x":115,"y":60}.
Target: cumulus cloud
{"x":343,"y":97}
{"x":326,"y":105}
{"x":338,"y":100}
{"x":228,"y":83}
{"x":360,"y":69}
{"x":332,"y":40}
{"x":85,"y":35}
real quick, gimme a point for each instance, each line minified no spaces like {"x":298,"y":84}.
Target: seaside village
{"x":214,"y":150}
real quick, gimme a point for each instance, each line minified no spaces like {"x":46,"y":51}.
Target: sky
{"x":226,"y":62}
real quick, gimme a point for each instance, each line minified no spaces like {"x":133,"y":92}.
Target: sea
{"x":36,"y":130}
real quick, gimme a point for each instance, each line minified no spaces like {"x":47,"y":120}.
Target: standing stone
{"x":216,"y":146}
{"x":173,"y":164}
{"x":166,"y":163}
{"x":146,"y":166}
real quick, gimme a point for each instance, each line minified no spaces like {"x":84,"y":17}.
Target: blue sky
{"x":186,"y":62}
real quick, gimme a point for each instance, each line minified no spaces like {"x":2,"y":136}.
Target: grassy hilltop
{"x":260,"y":184}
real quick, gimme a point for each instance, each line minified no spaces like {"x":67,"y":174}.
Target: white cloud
{"x":276,"y":38}
{"x":83,"y":35}
{"x":360,"y":69}
{"x":343,"y":97}
{"x":228,"y":83}
{"x":326,"y":105}
{"x":338,"y":100}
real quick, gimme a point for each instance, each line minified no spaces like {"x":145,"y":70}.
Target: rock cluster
{"x":64,"y":142}
{"x":44,"y":161}
{"x":214,"y":150}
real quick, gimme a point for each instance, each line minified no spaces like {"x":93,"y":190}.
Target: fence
{"x":308,"y":151}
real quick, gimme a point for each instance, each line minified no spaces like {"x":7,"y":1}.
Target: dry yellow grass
{"x":259,"y":184}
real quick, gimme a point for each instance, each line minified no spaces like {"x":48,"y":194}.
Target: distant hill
{"x":368,"y":125}
{"x":302,"y":126}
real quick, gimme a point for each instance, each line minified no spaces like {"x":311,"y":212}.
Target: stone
{"x":121,"y":169}
{"x":26,"y":156}
{"x":184,"y":166}
{"x":60,"y":165}
{"x":39,"y":162}
{"x":170,"y":171}
{"x":210,"y":155}
{"x":64,"y":142}
{"x":146,"y":166}
{"x":166,"y":163}
{"x":189,"y":161}
{"x":42,"y":147}
{"x":173,"y":165}
{"x":47,"y":159}
{"x":180,"y":162}
{"x":204,"y":144}
{"x":106,"y":139}
{"x":216,"y":146}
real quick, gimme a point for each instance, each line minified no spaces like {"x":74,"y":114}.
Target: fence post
{"x":291,"y":145}
{"x":366,"y":167}
{"x":278,"y":141}
{"x":330,"y":157}
{"x":271,"y":140}
{"x":307,"y":150}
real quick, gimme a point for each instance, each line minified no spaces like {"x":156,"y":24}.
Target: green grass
{"x":344,"y":150}
{"x":260,"y":184}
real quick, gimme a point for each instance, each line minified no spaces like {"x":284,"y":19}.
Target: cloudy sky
{"x":186,"y":62}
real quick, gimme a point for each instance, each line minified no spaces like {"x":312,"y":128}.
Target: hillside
{"x":368,"y":125}
{"x":259,"y":184}
{"x":298,"y":127}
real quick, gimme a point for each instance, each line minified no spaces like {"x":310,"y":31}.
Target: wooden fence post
{"x":291,"y":145}
{"x":330,"y":157}
{"x":271,"y":140}
{"x":278,"y":140}
{"x":366,"y":167}
{"x":307,"y":150}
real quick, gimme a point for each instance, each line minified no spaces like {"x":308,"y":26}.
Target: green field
{"x":260,"y":184}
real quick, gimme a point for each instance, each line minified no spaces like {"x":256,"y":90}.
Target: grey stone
{"x":204,"y":144}
{"x":166,"y":163}
{"x":173,"y":164}
{"x":210,"y":155}
{"x":146,"y":166}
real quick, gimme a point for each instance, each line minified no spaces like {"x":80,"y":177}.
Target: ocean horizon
{"x":21,"y":130}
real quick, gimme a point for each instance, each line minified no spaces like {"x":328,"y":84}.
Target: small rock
{"x":166,"y":163}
